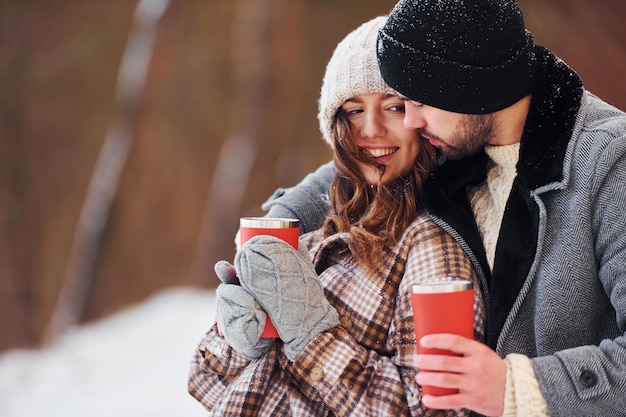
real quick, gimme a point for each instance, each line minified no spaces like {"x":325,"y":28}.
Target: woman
{"x":348,"y":342}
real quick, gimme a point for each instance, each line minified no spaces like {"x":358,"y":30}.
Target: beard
{"x":472,"y":133}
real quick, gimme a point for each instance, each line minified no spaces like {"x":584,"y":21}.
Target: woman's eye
{"x":351,"y":112}
{"x":397,"y":108}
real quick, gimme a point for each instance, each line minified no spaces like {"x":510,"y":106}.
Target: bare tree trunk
{"x":250,"y":62}
{"x":108,"y":169}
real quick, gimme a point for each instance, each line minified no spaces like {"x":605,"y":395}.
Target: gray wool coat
{"x":557,"y":291}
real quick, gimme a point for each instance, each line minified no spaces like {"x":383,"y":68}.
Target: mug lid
{"x":442,"y":286}
{"x":268,"y":222}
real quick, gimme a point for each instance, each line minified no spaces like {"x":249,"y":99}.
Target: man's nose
{"x":413,"y":117}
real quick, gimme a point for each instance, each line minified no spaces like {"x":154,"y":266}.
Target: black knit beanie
{"x":463,"y":56}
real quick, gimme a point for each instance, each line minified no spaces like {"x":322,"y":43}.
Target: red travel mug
{"x":285,"y":229}
{"x":442,"y":307}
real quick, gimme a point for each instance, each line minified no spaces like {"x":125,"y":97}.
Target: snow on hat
{"x":352,"y":70}
{"x":464,"y":56}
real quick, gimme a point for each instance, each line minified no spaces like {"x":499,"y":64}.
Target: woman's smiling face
{"x":376,"y":124}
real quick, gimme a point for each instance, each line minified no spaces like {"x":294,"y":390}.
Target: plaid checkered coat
{"x":361,"y":368}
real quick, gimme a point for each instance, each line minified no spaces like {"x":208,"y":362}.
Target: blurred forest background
{"x":116,"y":186}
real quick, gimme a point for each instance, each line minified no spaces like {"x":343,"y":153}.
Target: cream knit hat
{"x":352,"y":70}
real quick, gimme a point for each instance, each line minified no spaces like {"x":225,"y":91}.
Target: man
{"x":533,"y":187}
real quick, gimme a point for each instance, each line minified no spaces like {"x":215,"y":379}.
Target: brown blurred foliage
{"x":222,"y":72}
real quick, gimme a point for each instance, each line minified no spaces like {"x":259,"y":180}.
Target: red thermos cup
{"x":285,"y":229}
{"x":442,"y":307}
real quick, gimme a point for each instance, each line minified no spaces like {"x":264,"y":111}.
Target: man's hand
{"x":479,"y":375}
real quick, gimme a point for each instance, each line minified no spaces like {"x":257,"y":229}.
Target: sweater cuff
{"x":522,"y":396}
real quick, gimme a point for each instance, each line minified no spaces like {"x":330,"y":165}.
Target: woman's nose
{"x":372,"y":127}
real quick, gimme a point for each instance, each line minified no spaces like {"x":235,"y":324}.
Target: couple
{"x":530,"y":198}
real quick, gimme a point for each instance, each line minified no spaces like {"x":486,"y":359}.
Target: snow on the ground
{"x":131,"y":364}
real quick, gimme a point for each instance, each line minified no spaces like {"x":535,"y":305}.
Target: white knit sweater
{"x":522,"y":394}
{"x":489,"y":199}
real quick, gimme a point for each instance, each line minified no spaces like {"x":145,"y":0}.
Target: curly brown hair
{"x":374,"y":215}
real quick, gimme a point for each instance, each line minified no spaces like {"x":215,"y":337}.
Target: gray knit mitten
{"x":226,"y":272}
{"x":285,"y":284}
{"x":240,"y":318}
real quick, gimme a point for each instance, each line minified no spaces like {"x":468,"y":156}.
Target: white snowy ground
{"x":131,"y":364}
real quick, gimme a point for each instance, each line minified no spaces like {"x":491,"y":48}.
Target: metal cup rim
{"x":268,"y":222}
{"x":445,"y":286}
